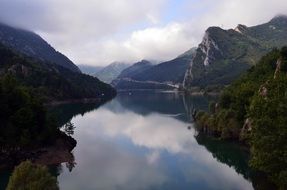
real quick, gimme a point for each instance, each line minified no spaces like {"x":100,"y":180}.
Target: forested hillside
{"x":50,"y":81}
{"x":253,"y":110}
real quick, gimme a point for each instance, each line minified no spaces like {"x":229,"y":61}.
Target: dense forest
{"x":253,"y":110}
{"x":24,"y":120}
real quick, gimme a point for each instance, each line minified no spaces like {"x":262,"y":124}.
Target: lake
{"x":147,"y":141}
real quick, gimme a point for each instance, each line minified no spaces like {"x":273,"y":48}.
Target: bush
{"x":28,"y":176}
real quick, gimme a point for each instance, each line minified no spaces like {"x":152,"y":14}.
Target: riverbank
{"x":56,"y":153}
{"x":72,"y":101}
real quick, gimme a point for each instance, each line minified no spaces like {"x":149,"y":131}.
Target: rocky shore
{"x":56,"y":153}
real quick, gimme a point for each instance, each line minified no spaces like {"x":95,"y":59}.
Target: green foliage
{"x":269,"y":131}
{"x":52,"y":82}
{"x":28,"y":176}
{"x":23,"y":118}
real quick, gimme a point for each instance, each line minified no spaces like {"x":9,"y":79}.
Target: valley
{"x":212,"y":117}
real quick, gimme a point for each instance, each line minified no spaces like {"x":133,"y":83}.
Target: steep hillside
{"x":32,"y":45}
{"x":224,"y":54}
{"x":50,"y":81}
{"x":111,"y":72}
{"x":253,"y":110}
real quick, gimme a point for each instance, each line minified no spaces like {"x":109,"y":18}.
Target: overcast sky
{"x":98,"y":32}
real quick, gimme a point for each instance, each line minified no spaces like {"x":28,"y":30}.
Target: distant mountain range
{"x":224,"y":54}
{"x":105,"y":73}
{"x":32,"y":45}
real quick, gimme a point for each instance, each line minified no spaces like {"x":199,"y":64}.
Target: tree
{"x":23,"y":117}
{"x":28,"y":176}
{"x":69,"y":128}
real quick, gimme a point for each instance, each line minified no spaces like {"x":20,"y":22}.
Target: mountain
{"x":125,"y":80}
{"x":224,"y":54}
{"x":167,"y":72}
{"x":166,"y":75}
{"x":110,"y":72}
{"x":51,"y":81}
{"x":136,"y":68}
{"x":32,"y":45}
{"x":89,"y":70}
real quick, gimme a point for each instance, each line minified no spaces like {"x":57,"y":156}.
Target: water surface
{"x":142,"y":141}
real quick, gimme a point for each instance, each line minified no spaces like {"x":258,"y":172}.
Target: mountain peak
{"x":213,"y":29}
{"x":279,"y":20}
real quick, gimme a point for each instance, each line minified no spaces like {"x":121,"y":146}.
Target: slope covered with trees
{"x":23,"y":118}
{"x":50,"y":81}
{"x":253,"y":109}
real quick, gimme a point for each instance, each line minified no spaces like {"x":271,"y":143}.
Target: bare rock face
{"x":214,"y":62}
{"x":246,"y":129}
{"x":210,"y":49}
{"x":278,"y":68}
{"x":241,"y":29}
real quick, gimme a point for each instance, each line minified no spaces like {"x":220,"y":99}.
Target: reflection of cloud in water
{"x":106,"y":163}
{"x":153,"y":157}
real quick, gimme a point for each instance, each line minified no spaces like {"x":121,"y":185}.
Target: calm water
{"x":141,"y":141}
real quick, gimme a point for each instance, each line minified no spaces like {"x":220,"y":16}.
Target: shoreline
{"x":58,"y":152}
{"x":83,"y":100}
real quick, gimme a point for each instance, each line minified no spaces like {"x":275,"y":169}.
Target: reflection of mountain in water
{"x":227,"y":152}
{"x":65,"y":112}
{"x":237,"y":157}
{"x":173,"y":104}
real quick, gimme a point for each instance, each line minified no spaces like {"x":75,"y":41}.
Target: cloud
{"x":98,"y":32}
{"x":160,"y":43}
{"x":229,"y":13}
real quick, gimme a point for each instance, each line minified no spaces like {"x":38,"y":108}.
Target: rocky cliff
{"x":224,"y":54}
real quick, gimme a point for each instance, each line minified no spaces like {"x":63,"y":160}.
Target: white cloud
{"x":161,"y":43}
{"x":167,"y":41}
{"x":229,"y":13}
{"x":99,"y":32}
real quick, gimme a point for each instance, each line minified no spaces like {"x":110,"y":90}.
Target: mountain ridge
{"x":51,"y":81}
{"x":224,"y":54}
{"x":33,"y":45}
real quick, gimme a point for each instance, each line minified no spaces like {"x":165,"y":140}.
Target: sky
{"x":98,"y":32}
